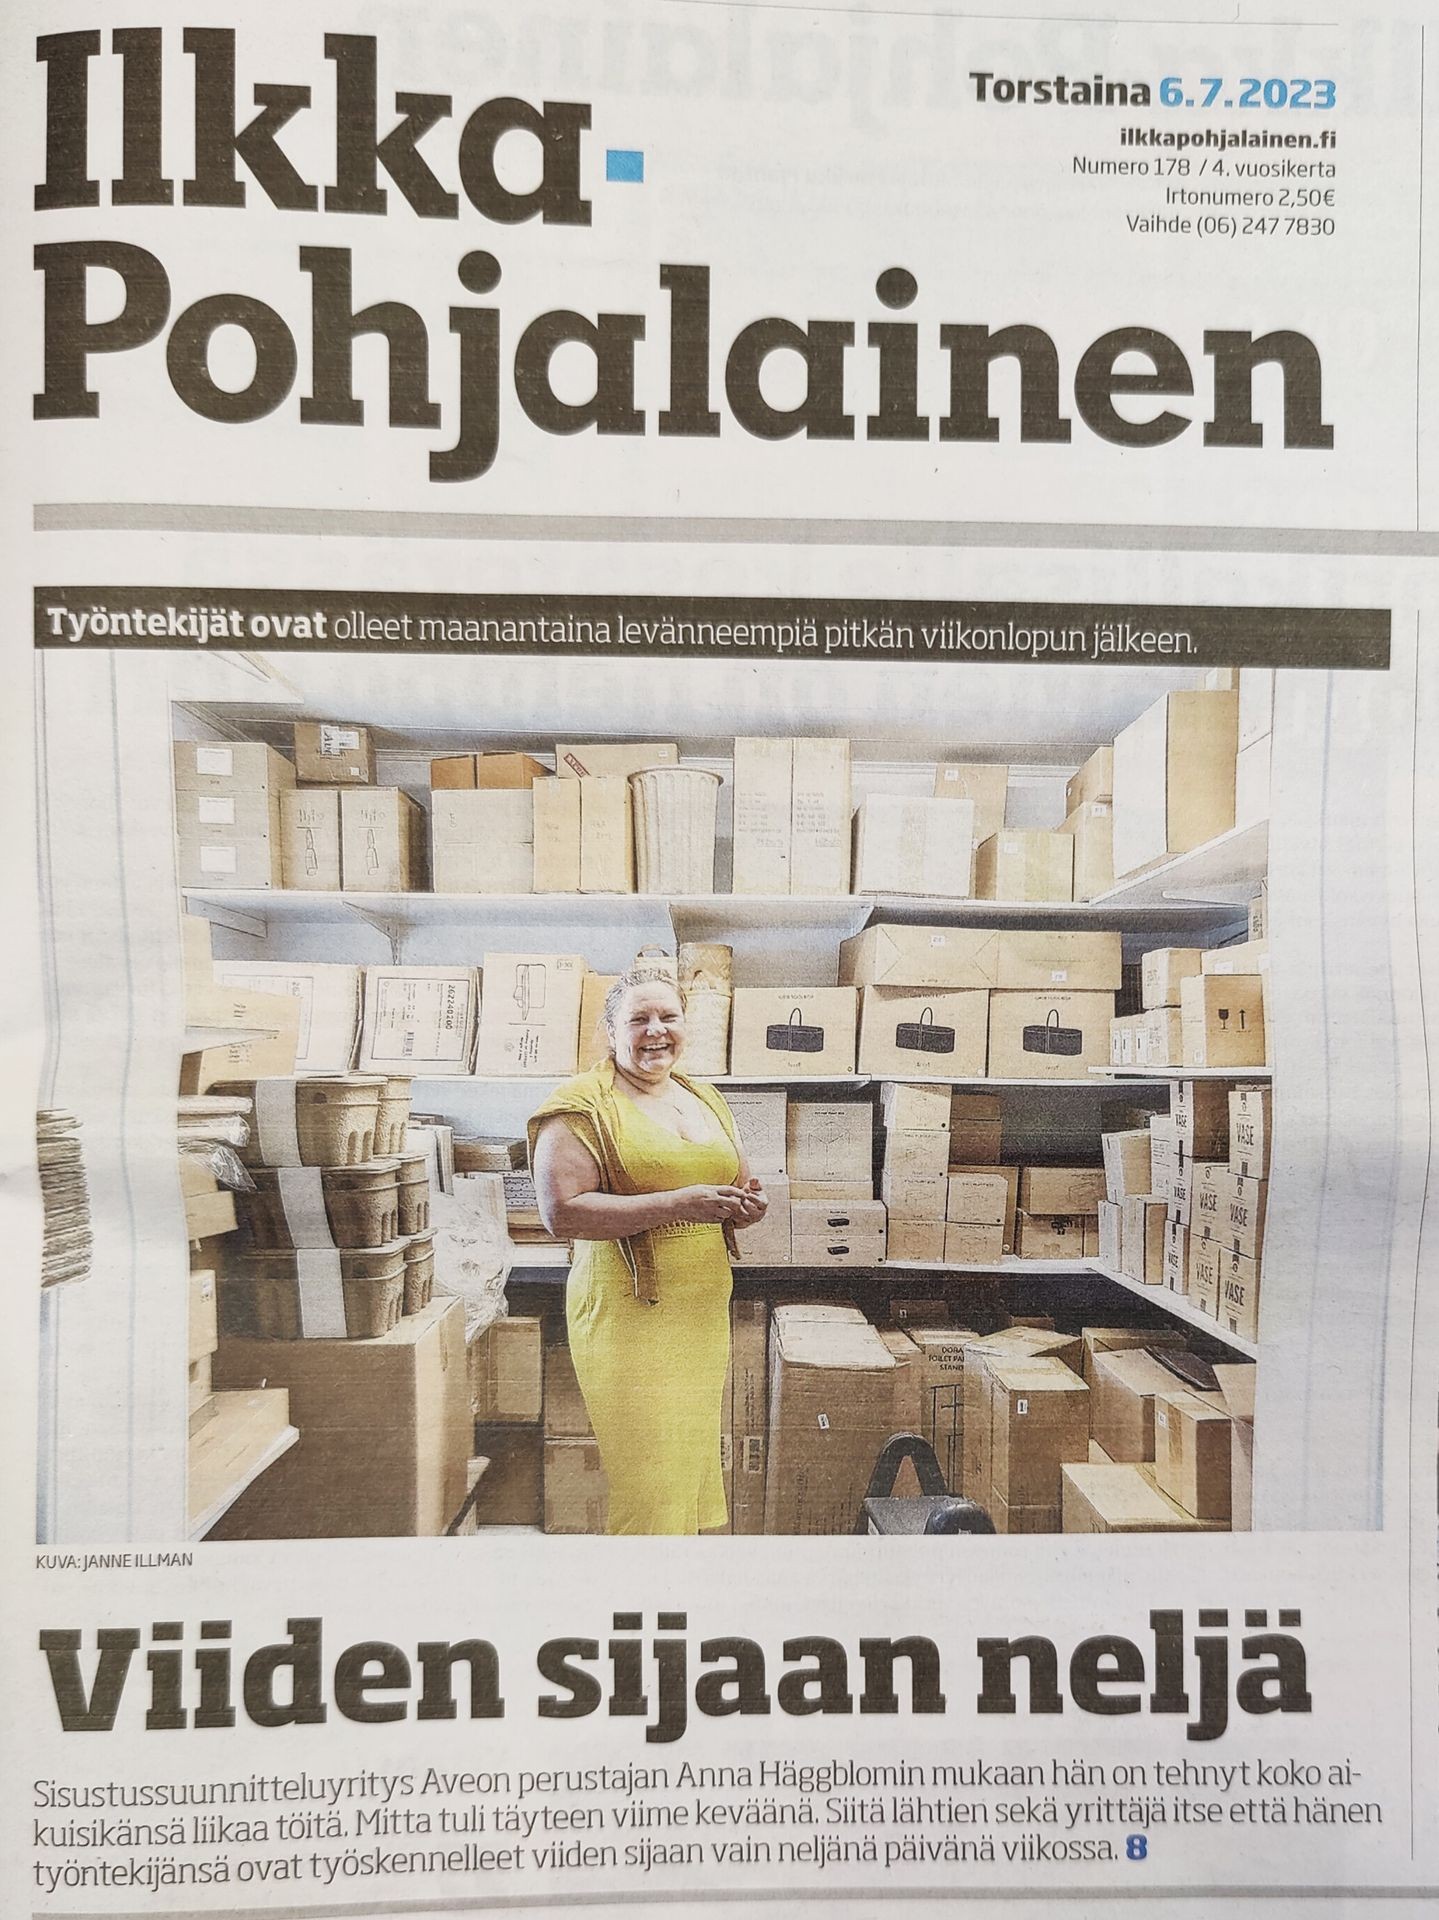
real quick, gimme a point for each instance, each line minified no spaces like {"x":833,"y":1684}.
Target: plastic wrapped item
{"x":471,"y":1252}
{"x":221,"y":1161}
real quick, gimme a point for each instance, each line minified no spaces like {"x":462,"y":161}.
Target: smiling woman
{"x":642,"y":1169}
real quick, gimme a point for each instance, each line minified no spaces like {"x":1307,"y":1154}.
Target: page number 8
{"x":1136,"y":1846}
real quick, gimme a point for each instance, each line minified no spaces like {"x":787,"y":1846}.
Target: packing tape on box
{"x":322,"y":1295}
{"x":277,"y":1124}
{"x":302,"y":1199}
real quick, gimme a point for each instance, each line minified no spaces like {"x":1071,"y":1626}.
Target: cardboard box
{"x":1200,"y":1111}
{"x":913,"y":1310}
{"x":268,"y":1051}
{"x":909,"y":1242}
{"x":482,"y":842}
{"x":1098,"y":1340}
{"x":975,"y":1130}
{"x":331,"y":755}
{"x":1008,"y":1345}
{"x":915,"y":1156}
{"x":1128,"y":1169}
{"x":1237,"y":1385}
{"x":1256,"y":705}
{"x":1159,"y":1038}
{"x":831,"y":1405}
{"x":793,"y":1031}
{"x":385,"y":1431}
{"x":761,"y":1120}
{"x":1119,"y":1499}
{"x":1038,"y":962}
{"x":328,"y":998}
{"x":1250,"y":1130}
{"x":1048,"y":1036}
{"x":530,"y":1013}
{"x":1251,"y":784}
{"x":905,"y":1407}
{"x":985,"y":787}
{"x":577,"y":1495}
{"x":310,"y":839}
{"x":820,"y":807}
{"x":1126,"y":1384}
{"x":227,"y":813}
{"x":1163,"y":970}
{"x":1166,"y":1156}
{"x":1093,"y":781}
{"x":1045,"y":1236}
{"x":382,"y":841}
{"x":749,"y":1413}
{"x":1243,"y":956}
{"x":903,"y":844}
{"x":1029,"y":865}
{"x":1239,"y":1224}
{"x":594,"y":1041}
{"x":943,"y":1032}
{"x":1174,"y":778}
{"x":771,"y":1242}
{"x":512,"y":1488}
{"x":830,"y":1140}
{"x":204,"y":1335}
{"x":763,"y":815}
{"x":1010,"y":1176}
{"x":1038,"y":1419}
{"x":972,"y":1244}
{"x":493,"y":772}
{"x":208,"y":1215}
{"x":1204,"y":1259}
{"x":1259,"y":913}
{"x":1223,"y":1018}
{"x":918,"y":958}
{"x":607,"y":835}
{"x":980,"y":1197}
{"x":1123,"y":1039}
{"x":1091,"y":827}
{"x":506,"y":1366}
{"x":555,"y":810}
{"x":1191,"y":1459}
{"x":940,"y":1393}
{"x":826,"y":1235}
{"x":916,"y":1109}
{"x":914,"y":1197}
{"x":1237,"y":1297}
{"x":1141,"y":1239}
{"x":418,"y":1020}
{"x":565,"y":1413}
{"x":1210,"y":1194}
{"x":1111,"y":1233}
{"x":1176,"y":1256}
{"x":1061,"y":1189}
{"x":576,"y":761}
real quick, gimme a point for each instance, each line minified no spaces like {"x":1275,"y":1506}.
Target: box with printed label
{"x":1191,"y":1452}
{"x":1127,"y":1165}
{"x":1029,"y":865}
{"x":748,"y":1402}
{"x":266,"y":1050}
{"x":1061,"y":1189}
{"x":1011,"y":1344}
{"x":310,"y":839}
{"x":576,"y":1490}
{"x":820,"y":817}
{"x":940,"y":1395}
{"x":1141,"y":1240}
{"x":980,"y":1198}
{"x":911,"y":1240}
{"x":1163,"y":968}
{"x":1093,"y":781}
{"x":915,"y":1109}
{"x":1165,"y":1156}
{"x":1124,"y":1039}
{"x":793,"y":1031}
{"x":1174,"y":777}
{"x":1126,"y":1384}
{"x":1259,"y":913}
{"x":418,"y":1020}
{"x":494,"y":772}
{"x":761,"y":1118}
{"x":943,"y":1032}
{"x":915,"y":1156}
{"x":763,"y":814}
{"x":904,"y":844}
{"x":975,"y":1130}
{"x":1176,"y":1256}
{"x":482,"y":841}
{"x":1159,"y":1038}
{"x":831,"y":1408}
{"x":920,"y":957}
{"x":1037,"y":1415}
{"x":1048,"y":1036}
{"x":968,"y":1244}
{"x":1243,"y":956}
{"x":1200,"y":1110}
{"x":1237,"y":1300}
{"x":832,"y":1192}
{"x":1250,"y":1129}
{"x":1097,"y":1340}
{"x":770,"y":1242}
{"x":530,"y":1013}
{"x":1209,"y":1205}
{"x":829,"y":1140}
{"x":607,"y":835}
{"x":555,"y":821}
{"x":968,"y":1199}
{"x":914,"y":1310}
{"x":1223,"y":1020}
{"x":382,"y":841}
{"x":329,"y":1005}
{"x":1240,"y":1212}
{"x":1048,"y":1236}
{"x":1203,"y":1287}
{"x":985,"y":787}
{"x":1091,"y":827}
{"x":228,"y":828}
{"x":1111,"y":1233}
{"x":845,"y":1235}
{"x":914,"y":1197}
{"x":330,"y":755}
{"x":575,"y":761}
{"x":1081,"y":962}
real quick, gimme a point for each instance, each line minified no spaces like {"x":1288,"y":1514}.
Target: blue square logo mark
{"x":625,"y":163}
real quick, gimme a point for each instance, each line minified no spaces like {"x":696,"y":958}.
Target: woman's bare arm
{"x":567,"y":1187}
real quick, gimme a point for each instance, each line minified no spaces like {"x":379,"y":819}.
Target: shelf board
{"x":1007,"y":1264}
{"x":1163,"y":918}
{"x":1111,"y":1074}
{"x":1223,"y":873}
{"x":537,"y":1258}
{"x":1179,"y":1308}
{"x":201,"y":1523}
{"x":548,"y":1259}
{"x":943,"y":1080}
{"x":705,"y":916}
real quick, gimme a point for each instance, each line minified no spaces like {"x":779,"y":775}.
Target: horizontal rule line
{"x":719,"y":530}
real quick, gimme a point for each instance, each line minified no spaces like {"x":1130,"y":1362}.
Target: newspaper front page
{"x":842,"y":599}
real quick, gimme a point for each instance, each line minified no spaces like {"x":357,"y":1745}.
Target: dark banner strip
{"x":662,"y":626}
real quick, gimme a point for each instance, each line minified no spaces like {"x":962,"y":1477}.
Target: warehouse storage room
{"x":1034,"y":1038}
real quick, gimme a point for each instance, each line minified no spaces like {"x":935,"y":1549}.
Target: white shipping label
{"x":421,"y":1020}
{"x":215,"y":809}
{"x":1021,"y":1406}
{"x":276,"y":1126}
{"x":217,"y":859}
{"x":302,"y":1196}
{"x":322,"y":1296}
{"x":824,"y":1423}
{"x":218,"y":760}
{"x":1058,"y":975}
{"x":337,"y":740}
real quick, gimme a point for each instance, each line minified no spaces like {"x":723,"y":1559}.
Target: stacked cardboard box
{"x":331,"y":754}
{"x":793,"y":1031}
{"x":1033,"y":1418}
{"x":791,"y":816}
{"x":419,"y":1020}
{"x":1028,"y":865}
{"x":1089,"y":820}
{"x":530,"y":1013}
{"x":382,"y":841}
{"x":980,"y":1214}
{"x":483,"y":839}
{"x":832,"y":1402}
{"x":761,"y":1119}
{"x":1174,"y":774}
{"x":984,"y":785}
{"x":914,"y":1184}
{"x":915,"y":845}
{"x":1050,"y":1014}
{"x":747,"y":1415}
{"x":575,"y":1490}
{"x":1059,"y":1212}
{"x":227,"y":813}
{"x":506,"y":1374}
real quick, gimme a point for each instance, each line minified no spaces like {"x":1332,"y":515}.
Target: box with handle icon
{"x":1048,"y":1036}
{"x":944,"y":1033}
{"x":530,"y":1013}
{"x":792,"y":1031}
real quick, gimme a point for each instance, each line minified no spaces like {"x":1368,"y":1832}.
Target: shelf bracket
{"x":389,"y":928}
{"x":1234,"y":893}
{"x":230,"y":917}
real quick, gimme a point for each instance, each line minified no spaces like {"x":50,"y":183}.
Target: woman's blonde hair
{"x":636,"y":977}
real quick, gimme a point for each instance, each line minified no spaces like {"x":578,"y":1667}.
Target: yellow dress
{"x":653,"y":1376}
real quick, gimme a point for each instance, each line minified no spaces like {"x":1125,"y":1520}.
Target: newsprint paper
{"x":844,"y":598}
